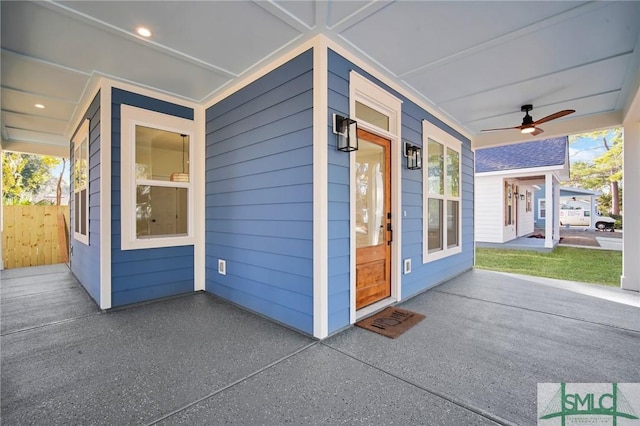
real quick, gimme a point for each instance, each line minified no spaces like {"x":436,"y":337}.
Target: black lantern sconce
{"x":346,"y":131}
{"x":521,"y":197}
{"x":414,"y":156}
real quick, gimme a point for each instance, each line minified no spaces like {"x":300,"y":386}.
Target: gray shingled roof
{"x":541,"y":153}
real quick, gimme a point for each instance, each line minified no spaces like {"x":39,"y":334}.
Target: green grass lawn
{"x":564,"y":263}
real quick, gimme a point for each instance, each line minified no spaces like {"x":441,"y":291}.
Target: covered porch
{"x":477,"y":80}
{"x":487,"y":341}
{"x":528,"y":242}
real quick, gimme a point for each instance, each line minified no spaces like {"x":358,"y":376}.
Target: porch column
{"x":1,"y":215}
{"x":630,"y":279}
{"x":556,"y":209}
{"x":594,"y":210}
{"x":550,"y":210}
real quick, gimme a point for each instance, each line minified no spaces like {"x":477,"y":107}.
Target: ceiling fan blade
{"x":554,"y":116}
{"x":501,"y":128}
{"x":537,"y":131}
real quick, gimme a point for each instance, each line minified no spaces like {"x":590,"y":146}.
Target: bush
{"x":618,"y":218}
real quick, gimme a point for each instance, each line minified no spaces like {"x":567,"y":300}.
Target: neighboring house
{"x":506,"y":179}
{"x":575,"y":198}
{"x":246,"y":196}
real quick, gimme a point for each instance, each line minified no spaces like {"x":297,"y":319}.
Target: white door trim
{"x":364,"y":91}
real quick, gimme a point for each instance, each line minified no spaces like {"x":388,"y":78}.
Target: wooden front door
{"x":373,"y":219}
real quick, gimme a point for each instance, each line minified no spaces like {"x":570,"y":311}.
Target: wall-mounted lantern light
{"x":414,"y":156}
{"x":346,"y":131}
{"x":521,"y":197}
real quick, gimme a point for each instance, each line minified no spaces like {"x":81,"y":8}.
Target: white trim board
{"x":199,"y":203}
{"x":105,"y":195}
{"x":362,"y":89}
{"x":320,"y":194}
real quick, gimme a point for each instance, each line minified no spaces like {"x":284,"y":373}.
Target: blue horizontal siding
{"x":156,"y":291}
{"x":423,"y":276}
{"x":259,"y":195}
{"x":296,"y":193}
{"x":268,"y":83}
{"x":302,"y":266}
{"x":144,"y":274}
{"x":85,"y":259}
{"x":281,"y":178}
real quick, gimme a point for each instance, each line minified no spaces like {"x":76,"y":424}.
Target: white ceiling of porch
{"x":473,"y":62}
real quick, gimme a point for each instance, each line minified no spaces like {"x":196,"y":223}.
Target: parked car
{"x":581,"y":217}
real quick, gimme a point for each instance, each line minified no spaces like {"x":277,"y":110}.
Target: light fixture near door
{"x":346,"y":131}
{"x":414,"y":156}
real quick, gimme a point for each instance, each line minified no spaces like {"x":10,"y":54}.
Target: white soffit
{"x":562,"y":89}
{"x":87,"y":47}
{"x":566,"y":46}
{"x":473,"y":61}
{"x":304,"y":11}
{"x":586,"y":106}
{"x":38,"y":137}
{"x":40,"y":124}
{"x":425,"y":29}
{"x":31,"y":76}
{"x":231,"y":35}
{"x":21,"y":102}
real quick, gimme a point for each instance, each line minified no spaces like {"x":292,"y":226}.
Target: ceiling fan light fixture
{"x":527,"y":130}
{"x":143,"y":32}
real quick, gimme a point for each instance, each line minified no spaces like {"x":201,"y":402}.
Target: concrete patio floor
{"x":487,"y":340}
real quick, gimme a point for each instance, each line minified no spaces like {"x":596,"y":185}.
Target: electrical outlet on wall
{"x":407,"y":266}
{"x":222,"y":267}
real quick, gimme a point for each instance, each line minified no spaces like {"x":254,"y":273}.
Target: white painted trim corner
{"x":199,"y":203}
{"x":320,"y":192}
{"x":105,"y":195}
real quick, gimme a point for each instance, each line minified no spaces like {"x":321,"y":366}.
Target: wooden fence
{"x":35,"y":235}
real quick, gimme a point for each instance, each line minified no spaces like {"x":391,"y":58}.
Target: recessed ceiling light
{"x":144,"y":32}
{"x":39,"y":106}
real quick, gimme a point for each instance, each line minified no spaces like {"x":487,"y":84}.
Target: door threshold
{"x":372,"y":309}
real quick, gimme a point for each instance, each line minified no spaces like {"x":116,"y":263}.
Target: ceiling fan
{"x":530,"y":126}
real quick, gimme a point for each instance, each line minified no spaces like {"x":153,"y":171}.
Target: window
{"x":372,"y":116}
{"x":508,"y":204}
{"x":442,"y":207}
{"x":156,"y":189}
{"x":542,"y":209}
{"x":528,"y":196}
{"x":81,"y":184}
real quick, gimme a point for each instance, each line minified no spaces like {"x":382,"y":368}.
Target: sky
{"x":586,"y":149}
{"x":56,"y":171}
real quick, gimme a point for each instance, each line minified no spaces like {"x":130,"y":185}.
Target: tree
{"x":604,"y":173}
{"x":59,"y":184}
{"x":23,"y":175}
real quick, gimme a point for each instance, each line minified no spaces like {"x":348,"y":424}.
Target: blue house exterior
{"x":271,"y":200}
{"x":85,"y":258}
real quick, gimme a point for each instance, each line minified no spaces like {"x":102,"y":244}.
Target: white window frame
{"x":130,"y":117}
{"x":540,"y":201}
{"x":81,"y":138}
{"x":431,"y":131}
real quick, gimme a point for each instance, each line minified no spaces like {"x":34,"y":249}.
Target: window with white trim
{"x":157,"y":180}
{"x":81,"y":184}
{"x":442,"y":189}
{"x":542,"y":208}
